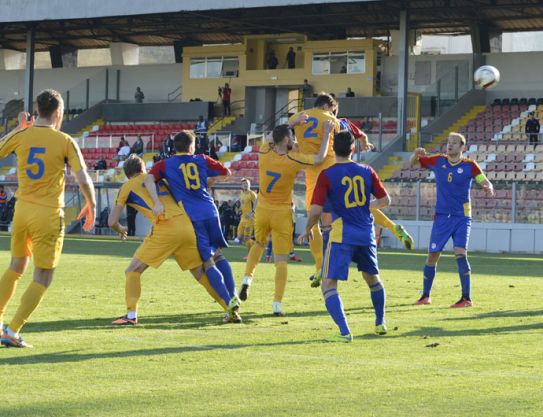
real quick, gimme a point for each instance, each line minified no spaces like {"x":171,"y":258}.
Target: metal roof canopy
{"x":227,"y":22}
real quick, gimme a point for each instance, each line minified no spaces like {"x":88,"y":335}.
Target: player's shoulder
{"x":265,"y":148}
{"x":469,"y":161}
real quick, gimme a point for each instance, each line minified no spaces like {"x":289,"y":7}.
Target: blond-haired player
{"x":278,"y":166}
{"x":172,"y":235}
{"x":38,"y":225}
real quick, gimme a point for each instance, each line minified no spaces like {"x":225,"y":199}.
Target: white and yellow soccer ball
{"x":486,"y":77}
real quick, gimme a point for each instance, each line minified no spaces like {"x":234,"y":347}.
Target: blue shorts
{"x":209,"y":237}
{"x":445,"y":227}
{"x":339,"y":256}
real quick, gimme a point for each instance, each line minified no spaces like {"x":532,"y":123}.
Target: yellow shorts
{"x":171,"y":237}
{"x":278,"y":222}
{"x":311,"y":176}
{"x":39,"y":231}
{"x":246,"y":228}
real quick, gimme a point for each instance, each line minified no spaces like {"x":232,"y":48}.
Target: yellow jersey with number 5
{"x":278,"y":174}
{"x":42,"y":154}
{"x":309,"y":135}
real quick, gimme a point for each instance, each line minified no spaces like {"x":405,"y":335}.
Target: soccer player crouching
{"x":186,"y":176}
{"x":172,"y":235}
{"x":454,"y":176}
{"x":347,"y":187}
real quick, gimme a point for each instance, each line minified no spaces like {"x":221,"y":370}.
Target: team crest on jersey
{"x":460,"y":170}
{"x":444,"y":166}
{"x":434,"y":245}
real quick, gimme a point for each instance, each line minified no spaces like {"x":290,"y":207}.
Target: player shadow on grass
{"x":500,"y":314}
{"x":441,"y":332}
{"x":73,"y":356}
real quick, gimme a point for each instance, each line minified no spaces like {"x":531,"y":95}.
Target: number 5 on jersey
{"x":37,"y":167}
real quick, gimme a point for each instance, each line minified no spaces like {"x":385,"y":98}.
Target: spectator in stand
{"x":532,"y":129}
{"x":349,"y":93}
{"x":122,"y":143}
{"x":137,"y":147}
{"x":123,"y":152}
{"x":202,"y":142}
{"x":307,"y":89}
{"x":343,"y":70}
{"x":138,"y":95}
{"x":235,"y":145}
{"x":291,"y":58}
{"x":224,"y":94}
{"x":100,"y":163}
{"x":272,"y":61}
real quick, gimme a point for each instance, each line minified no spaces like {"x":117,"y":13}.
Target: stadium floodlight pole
{"x":402,"y":74}
{"x":29,"y":71}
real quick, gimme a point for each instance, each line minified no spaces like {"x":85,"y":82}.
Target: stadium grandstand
{"x":181,"y":55}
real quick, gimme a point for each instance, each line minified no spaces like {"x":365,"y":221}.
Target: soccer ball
{"x":486,"y":77}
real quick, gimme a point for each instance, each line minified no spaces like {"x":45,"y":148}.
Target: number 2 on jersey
{"x":356,"y":193}
{"x":191,"y":175}
{"x":33,"y":159}
{"x":310,"y":131}
{"x":275,"y":177}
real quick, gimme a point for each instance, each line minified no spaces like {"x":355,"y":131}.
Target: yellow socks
{"x":280,"y":280}
{"x":8,"y":284}
{"x":253,"y":259}
{"x":381,"y":219}
{"x":315,"y":245}
{"x":132,"y":290}
{"x":29,"y":301}
{"x":205,"y":283}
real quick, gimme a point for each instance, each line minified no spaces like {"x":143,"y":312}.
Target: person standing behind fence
{"x":225,"y":93}
{"x":532,"y":129}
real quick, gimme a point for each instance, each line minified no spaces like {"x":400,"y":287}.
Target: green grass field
{"x":435,"y":361}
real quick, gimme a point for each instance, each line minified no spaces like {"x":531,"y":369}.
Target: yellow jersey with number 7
{"x":42,"y":153}
{"x":278,"y":174}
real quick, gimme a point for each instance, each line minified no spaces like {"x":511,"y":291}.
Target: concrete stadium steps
{"x":220,"y":123}
{"x":394,"y":164}
{"x":88,"y":128}
{"x":455,"y":127}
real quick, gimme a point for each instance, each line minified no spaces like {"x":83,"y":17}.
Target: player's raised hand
{"x":24,"y":120}
{"x":365,"y":144}
{"x":328,"y":127}
{"x":89,"y":213}
{"x":300,"y":120}
{"x":158,"y":209}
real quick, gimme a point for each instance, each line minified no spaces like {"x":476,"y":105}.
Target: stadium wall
{"x":156,"y":81}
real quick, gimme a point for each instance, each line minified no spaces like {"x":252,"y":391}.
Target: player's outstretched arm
{"x":149,"y":183}
{"x":416,"y":154}
{"x":486,"y":185}
{"x":327,"y":130}
{"x":314,"y":216}
{"x":113,"y":222}
{"x":87,"y":188}
{"x":300,"y":119}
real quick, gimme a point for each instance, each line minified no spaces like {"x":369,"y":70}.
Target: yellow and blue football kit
{"x":171,"y":235}
{"x":274,"y":208}
{"x":309,"y":136}
{"x":246,"y":225}
{"x":38,"y":223}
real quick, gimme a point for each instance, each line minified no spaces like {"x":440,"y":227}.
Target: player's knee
{"x":19,"y":264}
{"x":370,"y":279}
{"x":197,"y":272}
{"x":328,"y":284}
{"x":43,"y":276}
{"x":209,"y":264}
{"x":432,"y":258}
{"x":280,"y":258}
{"x":218,"y":257}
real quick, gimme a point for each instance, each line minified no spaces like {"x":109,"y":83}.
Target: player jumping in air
{"x":348,"y":187}
{"x":171,"y":235}
{"x":38,"y":225}
{"x":454,"y":176}
{"x":278,"y":167}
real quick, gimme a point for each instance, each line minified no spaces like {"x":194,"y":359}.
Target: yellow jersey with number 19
{"x":42,"y":153}
{"x":278,"y":174}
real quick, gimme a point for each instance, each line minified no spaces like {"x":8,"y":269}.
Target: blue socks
{"x":335,"y":309}
{"x":378,"y":300}
{"x":464,"y":272}
{"x":429,"y":275}
{"x":224,"y":267}
{"x":216,"y":280}
{"x":269,"y":249}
